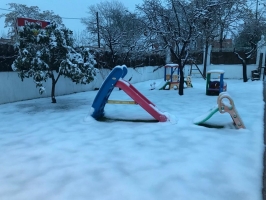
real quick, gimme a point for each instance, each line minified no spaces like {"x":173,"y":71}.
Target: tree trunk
{"x":181,"y":81}
{"x":221,"y":40}
{"x":205,"y":58}
{"x":220,"y":45}
{"x":244,"y":64}
{"x":54,"y":81}
{"x":53,"y":90}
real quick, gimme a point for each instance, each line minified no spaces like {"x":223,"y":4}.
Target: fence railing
{"x":231,"y":49}
{"x":105,"y":59}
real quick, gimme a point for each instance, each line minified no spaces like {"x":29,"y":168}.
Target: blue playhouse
{"x":215,"y":86}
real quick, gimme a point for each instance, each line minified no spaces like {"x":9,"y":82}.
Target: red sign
{"x":25,"y":21}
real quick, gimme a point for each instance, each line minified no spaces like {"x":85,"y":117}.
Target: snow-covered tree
{"x":250,"y":32}
{"x":49,"y":53}
{"x":247,"y":32}
{"x":244,"y":60}
{"x":207,"y":24}
{"x":172,"y":25}
{"x":81,"y":38}
{"x":253,"y":25}
{"x":33,"y":12}
{"x":230,"y":15}
{"x":117,"y":29}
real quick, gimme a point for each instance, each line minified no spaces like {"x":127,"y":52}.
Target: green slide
{"x":203,"y":118}
{"x":164,"y":86}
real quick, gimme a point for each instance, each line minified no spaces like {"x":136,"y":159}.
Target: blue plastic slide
{"x":97,"y":108}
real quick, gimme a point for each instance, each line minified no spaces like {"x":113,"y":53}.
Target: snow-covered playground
{"x":59,"y":152}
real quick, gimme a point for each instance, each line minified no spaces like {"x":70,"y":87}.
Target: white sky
{"x":64,"y":8}
{"x":58,"y":152}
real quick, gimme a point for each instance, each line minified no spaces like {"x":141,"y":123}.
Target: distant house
{"x":227,"y":43}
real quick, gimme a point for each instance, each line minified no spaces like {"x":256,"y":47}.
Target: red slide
{"x":141,"y":100}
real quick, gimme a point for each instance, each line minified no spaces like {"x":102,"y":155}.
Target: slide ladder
{"x":230,"y":108}
{"x":97,"y":108}
{"x":193,"y":63}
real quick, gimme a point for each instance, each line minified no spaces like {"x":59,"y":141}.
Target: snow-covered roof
{"x":171,"y":65}
{"x":219,"y":71}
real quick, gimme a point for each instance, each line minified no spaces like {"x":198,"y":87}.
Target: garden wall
{"x":231,"y":71}
{"x":13,"y":89}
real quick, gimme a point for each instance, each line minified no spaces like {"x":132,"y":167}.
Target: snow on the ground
{"x":58,"y":152}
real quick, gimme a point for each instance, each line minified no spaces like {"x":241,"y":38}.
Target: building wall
{"x":13,"y":89}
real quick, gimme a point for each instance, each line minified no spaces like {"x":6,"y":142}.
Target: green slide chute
{"x":203,"y":118}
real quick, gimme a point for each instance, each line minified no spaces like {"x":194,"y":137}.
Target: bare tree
{"x":207,"y":24}
{"x":81,"y":38}
{"x":249,"y":33}
{"x":116,"y":28}
{"x":244,"y":60}
{"x":172,"y":24}
{"x":231,"y":12}
{"x":253,"y":26}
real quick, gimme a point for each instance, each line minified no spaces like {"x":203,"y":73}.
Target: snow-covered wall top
{"x":12,"y":89}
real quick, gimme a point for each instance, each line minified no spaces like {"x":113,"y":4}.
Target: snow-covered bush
{"x":42,"y":52}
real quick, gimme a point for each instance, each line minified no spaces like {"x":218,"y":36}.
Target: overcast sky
{"x":64,"y":8}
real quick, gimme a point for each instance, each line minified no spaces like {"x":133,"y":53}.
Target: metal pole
{"x":257,"y":10}
{"x":98,"y":29}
